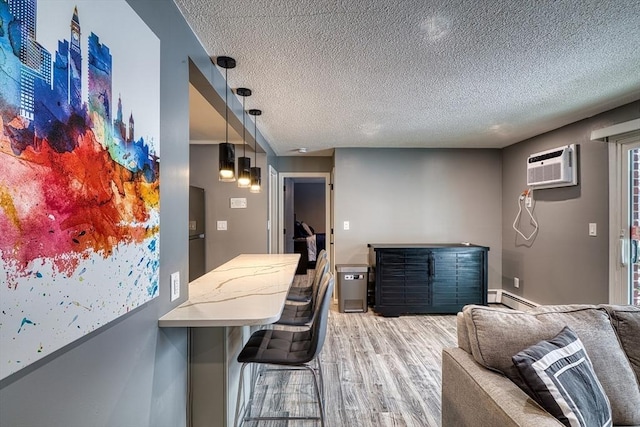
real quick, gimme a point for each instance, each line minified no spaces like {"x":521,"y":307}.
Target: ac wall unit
{"x":557,"y":167}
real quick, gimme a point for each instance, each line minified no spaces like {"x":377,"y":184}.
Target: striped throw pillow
{"x":560,"y":377}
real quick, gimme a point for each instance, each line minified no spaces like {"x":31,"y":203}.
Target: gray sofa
{"x":481,"y":386}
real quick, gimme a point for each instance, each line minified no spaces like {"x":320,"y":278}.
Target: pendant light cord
{"x":226,"y":105}
{"x":244,"y":143}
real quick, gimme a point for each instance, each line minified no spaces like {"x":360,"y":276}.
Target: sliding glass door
{"x":625,"y":221}
{"x":633,"y":215}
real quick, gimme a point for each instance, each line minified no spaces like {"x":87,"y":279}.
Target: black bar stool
{"x":301,"y":314}
{"x":304,"y":293}
{"x":288,"y":349}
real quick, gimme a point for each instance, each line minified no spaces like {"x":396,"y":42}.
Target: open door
{"x":294,"y":189}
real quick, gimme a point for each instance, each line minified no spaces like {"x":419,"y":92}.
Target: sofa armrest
{"x":475,"y":396}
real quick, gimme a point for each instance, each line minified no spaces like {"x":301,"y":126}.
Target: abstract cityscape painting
{"x":79,"y":171}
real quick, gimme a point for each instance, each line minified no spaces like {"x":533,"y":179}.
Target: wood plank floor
{"x":378,"y":372}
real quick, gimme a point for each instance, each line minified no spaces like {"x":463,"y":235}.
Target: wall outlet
{"x":516,"y":282}
{"x":221,"y":225}
{"x":345,"y":225}
{"x":528,"y":201}
{"x":175,"y":286}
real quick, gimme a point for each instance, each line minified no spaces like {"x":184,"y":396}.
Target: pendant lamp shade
{"x":244,"y":172}
{"x":244,"y":162}
{"x":226,"y":151}
{"x":226,"y":155}
{"x":256,"y":173}
{"x":256,"y":180}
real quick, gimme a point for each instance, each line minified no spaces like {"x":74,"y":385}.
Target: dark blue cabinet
{"x":428,"y":278}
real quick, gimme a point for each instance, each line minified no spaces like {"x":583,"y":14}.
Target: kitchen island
{"x":249,"y":290}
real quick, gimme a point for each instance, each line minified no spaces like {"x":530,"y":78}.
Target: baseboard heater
{"x":515,"y":302}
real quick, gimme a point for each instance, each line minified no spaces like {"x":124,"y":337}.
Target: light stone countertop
{"x":248,"y":290}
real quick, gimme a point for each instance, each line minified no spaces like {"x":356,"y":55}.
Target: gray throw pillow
{"x":560,"y":377}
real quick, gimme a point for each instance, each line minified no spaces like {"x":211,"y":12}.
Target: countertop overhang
{"x":248,"y":290}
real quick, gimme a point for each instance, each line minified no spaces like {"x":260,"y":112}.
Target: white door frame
{"x":618,"y":136}
{"x":327,"y":203}
{"x":272,"y":223}
{"x":619,"y":267}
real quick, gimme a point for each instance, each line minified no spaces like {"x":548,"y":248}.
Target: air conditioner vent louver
{"x":553,"y":168}
{"x":545,"y":173}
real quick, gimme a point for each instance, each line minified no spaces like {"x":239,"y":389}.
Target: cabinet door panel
{"x":391,"y":274}
{"x":416,"y":256}
{"x":457,"y":278}
{"x":391,"y":257}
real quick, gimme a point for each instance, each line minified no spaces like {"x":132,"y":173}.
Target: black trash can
{"x":352,"y":287}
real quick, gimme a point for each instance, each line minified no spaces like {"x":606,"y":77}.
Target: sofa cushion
{"x":496,"y":334}
{"x":560,"y":377}
{"x":626,"y":321}
{"x":463,"y":334}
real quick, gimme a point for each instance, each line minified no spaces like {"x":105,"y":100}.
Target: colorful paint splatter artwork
{"x":79,"y":172}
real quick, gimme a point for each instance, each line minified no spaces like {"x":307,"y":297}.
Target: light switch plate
{"x":238,"y":202}
{"x":593,"y":229}
{"x":221,"y":225}
{"x":175,"y":286}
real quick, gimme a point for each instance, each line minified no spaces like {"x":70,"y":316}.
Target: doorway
{"x":304,"y":197}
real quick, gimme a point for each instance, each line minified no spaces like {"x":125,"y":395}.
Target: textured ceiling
{"x":422,"y":73}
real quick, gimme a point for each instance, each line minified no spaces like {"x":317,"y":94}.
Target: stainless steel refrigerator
{"x":197,"y":258}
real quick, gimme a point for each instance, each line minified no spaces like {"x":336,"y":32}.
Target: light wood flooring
{"x":378,"y":372}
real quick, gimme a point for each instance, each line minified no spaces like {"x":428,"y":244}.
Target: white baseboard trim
{"x":500,"y":296}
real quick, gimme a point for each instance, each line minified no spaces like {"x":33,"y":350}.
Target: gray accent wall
{"x":418,"y":196}
{"x":303,"y":164}
{"x":129,"y":373}
{"x":246,"y":228}
{"x":562,"y":264}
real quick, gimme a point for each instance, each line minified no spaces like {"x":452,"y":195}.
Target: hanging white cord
{"x":521,"y":197}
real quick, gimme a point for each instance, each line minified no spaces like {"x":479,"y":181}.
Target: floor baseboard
{"x":500,"y":296}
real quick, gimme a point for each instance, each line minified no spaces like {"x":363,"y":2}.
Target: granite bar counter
{"x":248,"y":290}
{"x":223,"y":305}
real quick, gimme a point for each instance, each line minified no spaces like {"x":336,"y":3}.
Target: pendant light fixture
{"x":244,"y":162}
{"x":256,"y":179}
{"x":226,"y":151}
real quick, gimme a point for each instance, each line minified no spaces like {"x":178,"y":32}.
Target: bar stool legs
{"x":243,"y":412}
{"x":278,"y":350}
